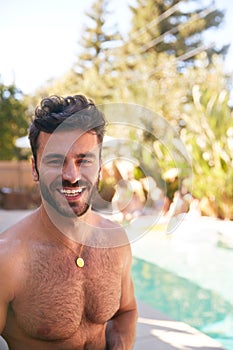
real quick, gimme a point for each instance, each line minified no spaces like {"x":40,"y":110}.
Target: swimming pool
{"x":188,"y":277}
{"x":182,"y":300}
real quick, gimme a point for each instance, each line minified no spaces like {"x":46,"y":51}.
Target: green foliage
{"x":209,"y":137}
{"x":175,"y":27}
{"x":92,"y":74}
{"x":163,"y":66}
{"x":98,"y":36}
{"x":13,"y":121}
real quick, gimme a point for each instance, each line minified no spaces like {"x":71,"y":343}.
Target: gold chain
{"x":79,"y":261}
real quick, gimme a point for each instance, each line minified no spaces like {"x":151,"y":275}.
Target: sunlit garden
{"x":167,"y":174}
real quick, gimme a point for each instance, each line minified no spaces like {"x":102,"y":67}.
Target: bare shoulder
{"x":115,"y":234}
{"x":13,"y":247}
{"x":18,"y":231}
{"x":105,"y":222}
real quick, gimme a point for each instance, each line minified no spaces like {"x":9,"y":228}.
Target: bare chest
{"x":57,"y":297}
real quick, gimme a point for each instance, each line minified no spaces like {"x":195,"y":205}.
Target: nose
{"x":70,"y":172}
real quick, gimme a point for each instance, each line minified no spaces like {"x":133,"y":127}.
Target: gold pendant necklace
{"x":79,"y":261}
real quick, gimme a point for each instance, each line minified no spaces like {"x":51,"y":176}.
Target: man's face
{"x":68,"y":166}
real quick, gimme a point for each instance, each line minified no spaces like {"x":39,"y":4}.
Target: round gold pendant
{"x":80,"y":262}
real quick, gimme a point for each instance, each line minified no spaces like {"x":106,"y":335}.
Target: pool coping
{"x":157,"y":331}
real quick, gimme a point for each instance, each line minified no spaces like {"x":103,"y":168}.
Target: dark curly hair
{"x":76,"y":111}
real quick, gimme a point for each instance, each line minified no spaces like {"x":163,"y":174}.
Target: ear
{"x":35,"y":176}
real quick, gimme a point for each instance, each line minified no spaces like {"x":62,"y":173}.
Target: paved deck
{"x":155,"y":331}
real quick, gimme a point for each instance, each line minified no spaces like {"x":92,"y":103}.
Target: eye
{"x":54,"y":162}
{"x":85,"y":161}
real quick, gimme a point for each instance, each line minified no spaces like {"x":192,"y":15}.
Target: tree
{"x":93,"y":72}
{"x":13,"y":120}
{"x":99,"y":35}
{"x":143,"y":71}
{"x":94,"y":65}
{"x":175,"y":27}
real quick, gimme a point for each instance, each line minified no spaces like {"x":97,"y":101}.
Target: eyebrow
{"x":61,"y":156}
{"x":86,"y":155}
{"x":53,"y":155}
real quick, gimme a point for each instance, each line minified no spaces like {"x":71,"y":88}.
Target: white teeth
{"x":71,"y":192}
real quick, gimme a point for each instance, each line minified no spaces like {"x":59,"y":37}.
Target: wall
{"x":16,"y":175}
{"x":17,"y":190}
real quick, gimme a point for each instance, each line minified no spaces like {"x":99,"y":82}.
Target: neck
{"x":75,"y":228}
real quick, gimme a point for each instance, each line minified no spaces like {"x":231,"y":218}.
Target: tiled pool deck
{"x":155,"y":331}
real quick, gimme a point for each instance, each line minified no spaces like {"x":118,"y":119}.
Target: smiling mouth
{"x":72,"y":193}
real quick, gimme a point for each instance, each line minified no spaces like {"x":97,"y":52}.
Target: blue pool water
{"x":184,"y":301}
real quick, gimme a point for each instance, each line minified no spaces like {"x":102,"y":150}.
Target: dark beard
{"x":68,"y":210}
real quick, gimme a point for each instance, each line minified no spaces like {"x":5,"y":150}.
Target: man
{"x":65,"y":270}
